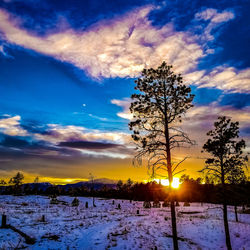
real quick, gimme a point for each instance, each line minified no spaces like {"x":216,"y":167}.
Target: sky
{"x":67,"y":71}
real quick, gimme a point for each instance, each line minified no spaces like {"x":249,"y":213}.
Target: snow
{"x":199,"y":226}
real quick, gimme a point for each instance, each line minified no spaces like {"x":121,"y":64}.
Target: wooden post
{"x":43,"y":218}
{"x":4,"y":219}
{"x":236,"y":214}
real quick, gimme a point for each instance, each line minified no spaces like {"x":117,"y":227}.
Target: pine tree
{"x":227,"y":155}
{"x":157,"y":107}
{"x":17,"y":181}
{"x":236,"y":176}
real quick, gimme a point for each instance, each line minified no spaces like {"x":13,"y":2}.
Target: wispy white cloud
{"x":98,"y":117}
{"x":119,"y":47}
{"x":125,"y":103}
{"x":109,"y":154}
{"x":222,"y":77}
{"x":124,"y":45}
{"x":11,"y":126}
{"x":214,"y":16}
{"x":3,"y":52}
{"x":214,"y":19}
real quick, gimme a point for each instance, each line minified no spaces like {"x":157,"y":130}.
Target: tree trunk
{"x":228,"y":242}
{"x":236,"y":214}
{"x":174,"y":229}
{"x":170,"y":177}
{"x":4,"y":225}
{"x":170,"y":174}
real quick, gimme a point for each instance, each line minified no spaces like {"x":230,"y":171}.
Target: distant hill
{"x":98,"y":184}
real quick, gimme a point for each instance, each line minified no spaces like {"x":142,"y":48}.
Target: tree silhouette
{"x":17,"y":181}
{"x":235,"y":177}
{"x":36,"y":180}
{"x":157,"y":108}
{"x":91,"y":179}
{"x":2,"y":182}
{"x":227,"y":155}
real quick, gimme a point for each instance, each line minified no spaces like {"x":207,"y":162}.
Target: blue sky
{"x":67,"y":72}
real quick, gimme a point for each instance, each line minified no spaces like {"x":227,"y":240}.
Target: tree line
{"x":190,"y":190}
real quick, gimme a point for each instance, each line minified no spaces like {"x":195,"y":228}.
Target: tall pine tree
{"x":157,"y":107}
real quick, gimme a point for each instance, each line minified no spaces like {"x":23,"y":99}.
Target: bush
{"x":147,"y":204}
{"x":75,"y":202}
{"x":54,"y":201}
{"x":166,"y":203}
{"x":156,"y":204}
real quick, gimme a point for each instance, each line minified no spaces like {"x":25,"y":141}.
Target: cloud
{"x":2,"y":50}
{"x":98,"y":117}
{"x":214,"y":19}
{"x":99,"y":149}
{"x":197,"y":122}
{"x":120,"y":47}
{"x":124,"y":45}
{"x":11,"y":126}
{"x":87,"y":141}
{"x":125,"y":104}
{"x":214,"y":16}
{"x":11,"y":141}
{"x":87,"y":145}
{"x":56,"y":133}
{"x":200,"y":119}
{"x":55,"y":141}
{"x":222,"y":77}
{"x":105,"y":154}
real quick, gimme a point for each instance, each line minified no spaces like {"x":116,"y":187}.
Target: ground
{"x":199,"y":226}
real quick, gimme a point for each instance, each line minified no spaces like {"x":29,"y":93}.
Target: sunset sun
{"x":165,"y":182}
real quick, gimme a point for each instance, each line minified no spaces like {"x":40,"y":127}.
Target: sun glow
{"x":165,"y":182}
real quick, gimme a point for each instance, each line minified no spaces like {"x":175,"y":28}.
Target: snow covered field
{"x":106,"y":227}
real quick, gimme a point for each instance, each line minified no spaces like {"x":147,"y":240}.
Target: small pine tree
{"x":147,"y":204}
{"x":17,"y":181}
{"x":227,"y":154}
{"x":36,"y":180}
{"x":75,"y":202}
{"x":3,"y":182}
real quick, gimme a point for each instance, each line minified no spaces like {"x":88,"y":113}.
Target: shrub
{"x":156,"y":204}
{"x":166,"y":203}
{"x":147,"y":204}
{"x":75,"y":202}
